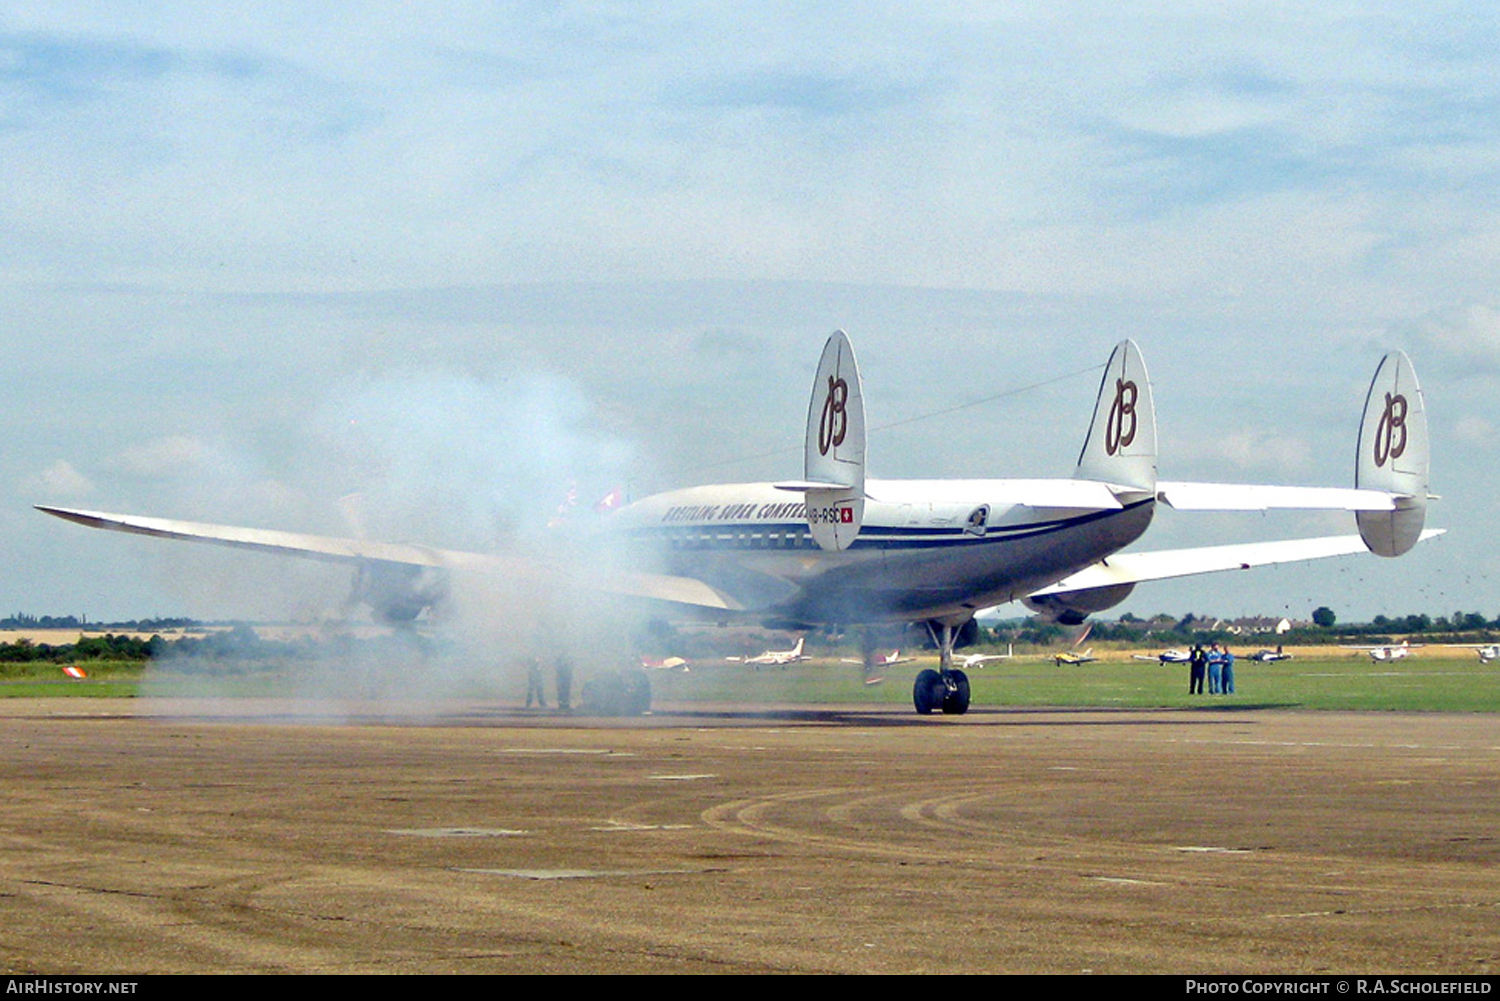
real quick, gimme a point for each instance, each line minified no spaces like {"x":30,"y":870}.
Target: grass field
{"x":1448,"y":684}
{"x":1436,"y":682}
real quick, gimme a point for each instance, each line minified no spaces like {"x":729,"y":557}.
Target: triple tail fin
{"x":834,"y":466}
{"x":1121,"y":445}
{"x":1394,"y":456}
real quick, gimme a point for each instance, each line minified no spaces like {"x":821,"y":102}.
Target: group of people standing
{"x":1217,"y":663}
{"x":536,"y":693}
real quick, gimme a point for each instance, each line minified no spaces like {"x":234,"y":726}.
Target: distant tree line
{"x":107,"y":647}
{"x":1190,"y":628}
{"x":239,"y":643}
{"x":21,"y":620}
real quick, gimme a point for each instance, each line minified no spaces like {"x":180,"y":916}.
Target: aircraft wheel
{"x":602,"y":695}
{"x":956,"y":701}
{"x":618,"y":693}
{"x":928,"y":692}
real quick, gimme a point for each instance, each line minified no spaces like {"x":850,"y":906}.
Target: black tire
{"x":956,"y":702}
{"x":927,"y":692}
{"x":604,"y":695}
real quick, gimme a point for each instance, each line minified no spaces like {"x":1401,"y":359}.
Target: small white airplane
{"x":775,"y":658}
{"x":1172,"y":656}
{"x":1270,"y":656}
{"x":889,"y":660}
{"x":1385,"y":654}
{"x":1068,"y":657}
{"x":1487,"y":651}
{"x":969,"y":662}
{"x":664,"y":664}
{"x":838,"y":548}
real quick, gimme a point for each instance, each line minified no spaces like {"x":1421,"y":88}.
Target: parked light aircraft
{"x":1384,"y":654}
{"x":1487,"y":651}
{"x":776,"y":658}
{"x":1173,"y":656}
{"x":1068,"y":657}
{"x":838,"y":548}
{"x":664,"y":664}
{"x":889,"y":660}
{"x":974,"y":660}
{"x":1270,"y":656}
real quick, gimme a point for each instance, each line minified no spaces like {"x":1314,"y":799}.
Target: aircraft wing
{"x":1133,"y":568}
{"x":1257,"y":497}
{"x":332,"y":549}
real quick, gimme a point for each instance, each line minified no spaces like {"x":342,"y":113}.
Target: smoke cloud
{"x":508,"y":469}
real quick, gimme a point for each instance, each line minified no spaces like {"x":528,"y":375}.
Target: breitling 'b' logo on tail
{"x":1392,"y":423}
{"x":1119,"y":431}
{"x":835,"y":422}
{"x":1120,"y":448}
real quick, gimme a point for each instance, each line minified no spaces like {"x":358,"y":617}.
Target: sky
{"x":454,"y":258}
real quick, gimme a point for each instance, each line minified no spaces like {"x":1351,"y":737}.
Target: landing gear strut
{"x":947,"y":688}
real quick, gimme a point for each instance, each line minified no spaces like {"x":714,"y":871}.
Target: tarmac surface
{"x":242,"y":836}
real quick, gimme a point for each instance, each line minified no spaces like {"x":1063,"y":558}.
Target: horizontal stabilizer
{"x":1081,"y":495}
{"x":1132,"y":568}
{"x":803,"y":486}
{"x":1257,"y":497}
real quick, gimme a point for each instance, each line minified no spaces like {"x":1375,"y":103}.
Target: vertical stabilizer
{"x":835,"y":452}
{"x":1394,"y":456}
{"x":1121,"y":445}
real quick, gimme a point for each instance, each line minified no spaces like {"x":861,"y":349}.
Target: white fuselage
{"x":927,"y":549}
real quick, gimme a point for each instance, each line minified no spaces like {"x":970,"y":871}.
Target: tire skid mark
{"x":1115,"y":866}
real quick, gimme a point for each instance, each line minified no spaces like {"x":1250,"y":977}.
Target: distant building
{"x":1258,"y":624}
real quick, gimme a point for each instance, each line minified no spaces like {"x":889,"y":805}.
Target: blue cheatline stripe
{"x":736,"y":536}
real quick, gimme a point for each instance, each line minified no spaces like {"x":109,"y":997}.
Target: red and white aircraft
{"x":839,"y":548}
{"x":1385,"y":654}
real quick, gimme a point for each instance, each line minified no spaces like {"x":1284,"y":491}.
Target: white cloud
{"x":1474,"y":430}
{"x":169,"y":457}
{"x":59,"y":480}
{"x":1247,"y":451}
{"x":1466,"y":340}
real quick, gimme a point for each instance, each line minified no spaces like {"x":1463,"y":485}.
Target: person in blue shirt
{"x":1226,"y":679}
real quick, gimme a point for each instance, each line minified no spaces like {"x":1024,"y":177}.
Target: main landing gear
{"x":625,"y":692}
{"x":947,"y":688}
{"x":948,"y":691}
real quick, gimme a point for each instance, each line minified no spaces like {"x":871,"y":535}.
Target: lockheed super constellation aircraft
{"x":838,"y":548}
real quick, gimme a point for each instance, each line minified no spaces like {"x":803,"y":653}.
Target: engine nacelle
{"x":1071,"y":607}
{"x":398,"y":592}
